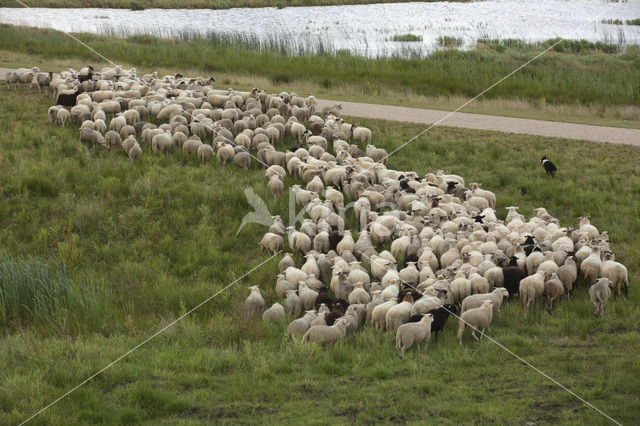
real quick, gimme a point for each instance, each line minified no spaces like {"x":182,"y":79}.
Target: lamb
{"x":254,"y":304}
{"x":274,"y":314}
{"x":553,"y":288}
{"x":531,"y":288}
{"x":476,"y":300}
{"x":293,"y":303}
{"x":476,"y":318}
{"x":599,"y":293}
{"x":300,"y":326}
{"x":616,"y":273}
{"x":271,"y":242}
{"x":326,"y":335}
{"x":414,"y":332}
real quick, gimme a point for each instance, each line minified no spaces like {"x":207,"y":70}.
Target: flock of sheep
{"x":421,"y":248}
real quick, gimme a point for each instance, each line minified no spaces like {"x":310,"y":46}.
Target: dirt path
{"x":552,"y":129}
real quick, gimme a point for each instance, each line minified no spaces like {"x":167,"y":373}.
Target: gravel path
{"x":552,"y":129}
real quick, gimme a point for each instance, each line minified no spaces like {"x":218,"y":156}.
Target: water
{"x":365,"y":30}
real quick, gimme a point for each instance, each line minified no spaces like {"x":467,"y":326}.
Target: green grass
{"x":633,"y":21}
{"x":449,"y":42}
{"x":406,"y":37}
{"x":195,"y":4}
{"x":160,"y":235}
{"x":580,"y":74}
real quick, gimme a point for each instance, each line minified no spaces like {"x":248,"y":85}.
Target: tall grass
{"x":34,"y":292}
{"x":574,"y":76}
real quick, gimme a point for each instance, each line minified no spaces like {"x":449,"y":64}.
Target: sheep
{"x":414,"y":332}
{"x":134,"y":151}
{"x":160,"y":142}
{"x":553,"y":288}
{"x":11,"y":79}
{"x":599,"y":293}
{"x":359,"y":295}
{"x":531,"y":288}
{"x":299,"y":326}
{"x":225,"y":152}
{"x":379,"y":313}
{"x":476,"y":318}
{"x":298,"y":241}
{"x":307,"y":295}
{"x":616,"y":273}
{"x":69,"y":99}
{"x":285,"y":262}
{"x":293,"y":303}
{"x":590,"y":267}
{"x":399,"y":314}
{"x":254,"y":303}
{"x":568,"y":274}
{"x":62,"y":117}
{"x":44,"y":80}
{"x":440,"y":317}
{"x":362,"y":134}
{"x":271,"y":242}
{"x":274,"y":314}
{"x":112,"y":138}
{"x":243,"y":160}
{"x":92,"y":136}
{"x":326,"y":335}
{"x":205,"y":153}
{"x":476,"y":300}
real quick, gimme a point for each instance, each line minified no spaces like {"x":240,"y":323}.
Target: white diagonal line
{"x":147,"y":340}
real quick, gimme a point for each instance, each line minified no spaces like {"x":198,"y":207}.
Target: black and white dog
{"x":548,"y":166}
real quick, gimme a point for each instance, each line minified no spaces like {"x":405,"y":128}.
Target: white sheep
{"x":274,"y":314}
{"x":254,"y":303}
{"x":271,"y":242}
{"x":298,"y":242}
{"x":476,"y":300}
{"x":299,"y":326}
{"x":359,"y":295}
{"x":379,"y":314}
{"x":326,"y":335}
{"x":616,"y":273}
{"x":599,"y":293}
{"x":399,"y":314}
{"x":205,"y":153}
{"x":62,"y":117}
{"x":414,"y":332}
{"x":531,"y":288}
{"x":307,"y":295}
{"x":293,"y":303}
{"x":476,"y":318}
{"x":276,"y":186}
{"x":553,"y":289}
{"x":568,"y":274}
{"x":590,"y":267}
{"x":135,"y":151}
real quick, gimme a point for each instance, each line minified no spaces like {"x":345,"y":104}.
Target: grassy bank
{"x":193,"y":4}
{"x":576,"y":73}
{"x":160,"y":235}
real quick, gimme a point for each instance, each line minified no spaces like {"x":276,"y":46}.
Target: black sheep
{"x":512,"y":276}
{"x":68,"y":100}
{"x":85,"y":77}
{"x":334,"y":239}
{"x":332,"y":316}
{"x":549,"y":167}
{"x":323,"y":297}
{"x":440,"y":317}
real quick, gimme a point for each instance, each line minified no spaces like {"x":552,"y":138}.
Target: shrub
{"x":136,"y":5}
{"x":448,"y":41}
{"x":407,"y":37}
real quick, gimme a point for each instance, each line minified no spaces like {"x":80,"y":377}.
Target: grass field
{"x":137,"y":245}
{"x":192,"y":4}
